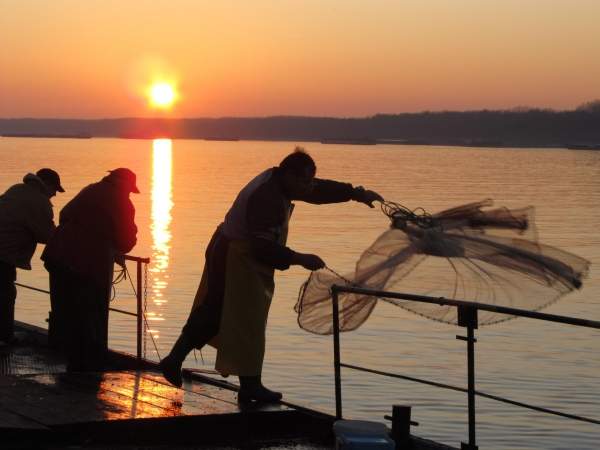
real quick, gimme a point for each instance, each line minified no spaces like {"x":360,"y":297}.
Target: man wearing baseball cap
{"x":95,"y":228}
{"x":26,"y":219}
{"x":125,"y":178}
{"x":51,"y":180}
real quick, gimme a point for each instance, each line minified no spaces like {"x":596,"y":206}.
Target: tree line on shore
{"x":515,"y":127}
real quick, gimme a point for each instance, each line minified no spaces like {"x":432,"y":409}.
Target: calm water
{"x":187,"y":186}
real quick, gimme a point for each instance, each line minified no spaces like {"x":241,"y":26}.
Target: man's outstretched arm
{"x":330,"y":191}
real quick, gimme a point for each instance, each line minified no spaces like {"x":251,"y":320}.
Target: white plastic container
{"x":362,"y":435}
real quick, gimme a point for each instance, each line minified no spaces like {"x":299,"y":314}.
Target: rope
{"x":400,"y":215}
{"x":341,"y":277}
{"x":121,"y":275}
{"x":124,"y":274}
{"x":145,"y":318}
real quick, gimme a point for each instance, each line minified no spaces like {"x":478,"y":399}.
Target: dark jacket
{"x":26,"y":218}
{"x":261,"y":212}
{"x":94,"y":226}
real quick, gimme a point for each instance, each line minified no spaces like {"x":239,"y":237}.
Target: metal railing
{"x":467,"y":317}
{"x":139,"y":314}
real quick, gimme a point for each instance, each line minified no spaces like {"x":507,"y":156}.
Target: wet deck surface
{"x":44,"y":406}
{"x":29,"y":358}
{"x":64,"y":398}
{"x":39,"y":396}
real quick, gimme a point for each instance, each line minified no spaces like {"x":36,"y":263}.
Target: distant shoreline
{"x":577,"y":129}
{"x":53,"y":136}
{"x":466,"y":144}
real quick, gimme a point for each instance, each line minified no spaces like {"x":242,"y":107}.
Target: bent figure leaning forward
{"x":232,"y":302}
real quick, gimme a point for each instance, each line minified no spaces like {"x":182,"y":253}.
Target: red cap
{"x":127,"y":177}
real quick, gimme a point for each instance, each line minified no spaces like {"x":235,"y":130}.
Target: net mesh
{"x":465,"y":253}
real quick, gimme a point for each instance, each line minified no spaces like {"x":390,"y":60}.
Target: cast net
{"x":466,"y":253}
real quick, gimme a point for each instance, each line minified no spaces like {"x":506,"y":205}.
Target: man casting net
{"x":465,"y":253}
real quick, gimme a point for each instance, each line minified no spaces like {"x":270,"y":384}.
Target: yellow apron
{"x":249,"y":287}
{"x":248,"y":292}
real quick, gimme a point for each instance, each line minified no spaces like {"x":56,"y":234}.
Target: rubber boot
{"x":171,"y":364}
{"x":252,"y":390}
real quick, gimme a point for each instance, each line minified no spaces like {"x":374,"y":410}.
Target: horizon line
{"x":515,"y":109}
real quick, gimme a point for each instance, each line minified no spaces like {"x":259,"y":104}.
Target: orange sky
{"x":92,"y":58}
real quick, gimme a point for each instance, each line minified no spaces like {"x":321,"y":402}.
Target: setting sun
{"x":162,"y":95}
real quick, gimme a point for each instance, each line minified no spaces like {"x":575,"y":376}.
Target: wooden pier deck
{"x":131,"y":406}
{"x":41,"y":402}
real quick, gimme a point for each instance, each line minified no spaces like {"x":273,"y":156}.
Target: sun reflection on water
{"x":161,"y":220}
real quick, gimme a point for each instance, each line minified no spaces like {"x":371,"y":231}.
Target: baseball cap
{"x":127,"y":177}
{"x":51,"y":178}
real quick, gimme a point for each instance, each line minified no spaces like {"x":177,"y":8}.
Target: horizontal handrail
{"x":48,"y":292}
{"x":122,"y":311}
{"x":138,"y":293}
{"x":467,"y":317}
{"x":137,"y":259}
{"x":482,"y":306}
{"x":32,"y":288}
{"x":478,"y":393}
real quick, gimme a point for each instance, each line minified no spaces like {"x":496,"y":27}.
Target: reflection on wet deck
{"x":68,"y":398}
{"x":41,"y":401}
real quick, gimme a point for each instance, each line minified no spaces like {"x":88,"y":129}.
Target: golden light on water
{"x":161,"y":221}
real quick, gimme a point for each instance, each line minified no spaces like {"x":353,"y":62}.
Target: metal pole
{"x":471,"y":386}
{"x":336,"y":354}
{"x":139,"y":310}
{"x":467,"y":317}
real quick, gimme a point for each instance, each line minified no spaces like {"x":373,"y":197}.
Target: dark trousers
{"x":8,"y":294}
{"x":204,"y":321}
{"x":58,"y":316}
{"x":79,"y":319}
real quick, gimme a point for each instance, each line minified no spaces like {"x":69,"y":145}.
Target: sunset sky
{"x":94,"y":59}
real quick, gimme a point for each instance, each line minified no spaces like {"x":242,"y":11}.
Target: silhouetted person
{"x":26,"y":219}
{"x":95,"y":227}
{"x":234,"y":296}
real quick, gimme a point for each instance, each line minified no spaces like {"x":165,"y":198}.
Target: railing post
{"x":467,"y":317}
{"x":140,"y":313}
{"x":401,"y":425}
{"x":336,"y":353}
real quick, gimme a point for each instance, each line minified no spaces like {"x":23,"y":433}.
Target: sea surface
{"x":187,"y":187}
